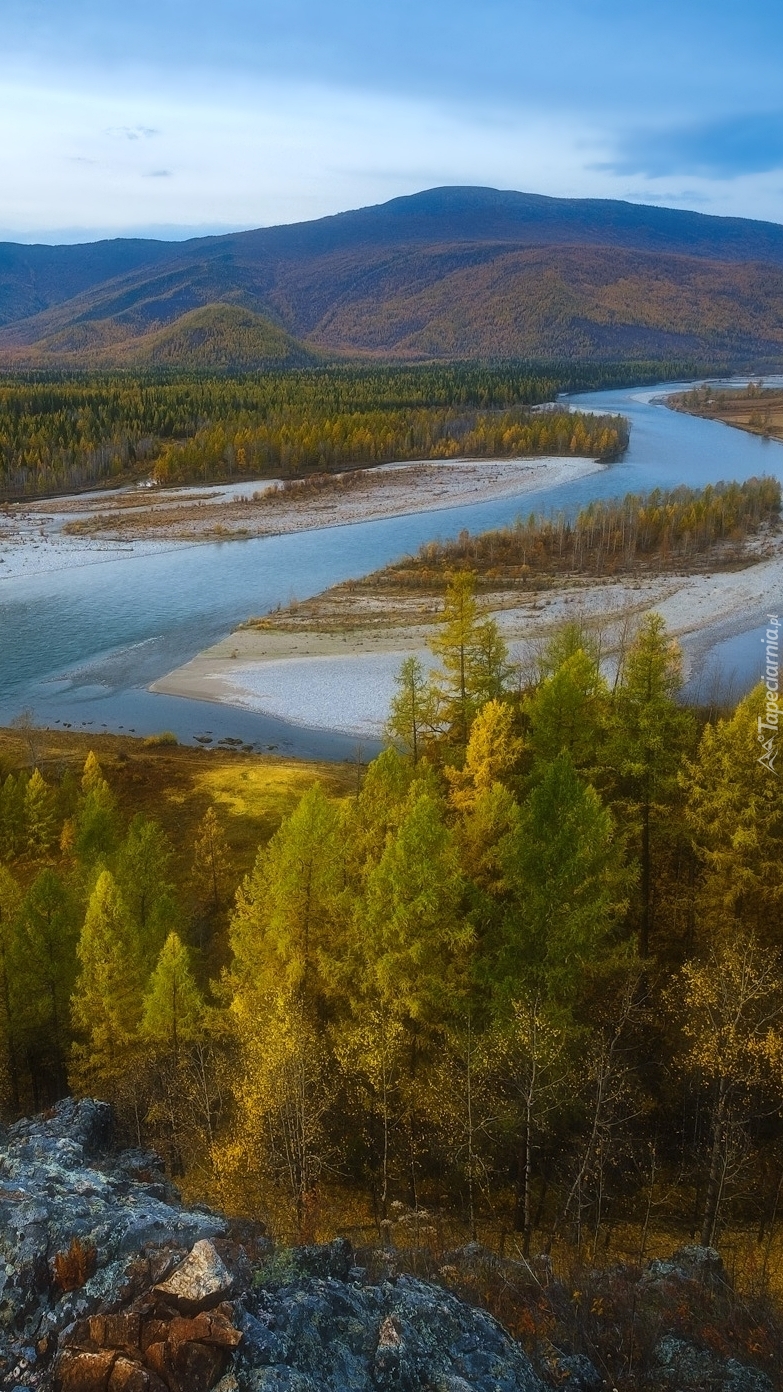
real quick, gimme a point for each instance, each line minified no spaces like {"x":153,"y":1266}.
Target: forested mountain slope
{"x":447,"y":273}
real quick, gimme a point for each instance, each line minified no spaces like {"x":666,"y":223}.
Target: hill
{"x":215,"y":337}
{"x":455,"y":272}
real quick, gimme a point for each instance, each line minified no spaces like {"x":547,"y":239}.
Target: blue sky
{"x":174,"y":117}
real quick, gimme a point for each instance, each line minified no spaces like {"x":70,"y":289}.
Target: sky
{"x":175,"y":118}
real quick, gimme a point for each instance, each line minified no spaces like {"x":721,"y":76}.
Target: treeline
{"x":59,"y":433}
{"x":679,"y":528}
{"x":529,"y":974}
{"x":290,"y":447}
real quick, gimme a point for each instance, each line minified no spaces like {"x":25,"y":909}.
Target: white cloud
{"x":78,"y":157}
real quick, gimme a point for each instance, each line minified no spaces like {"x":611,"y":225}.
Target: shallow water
{"x":80,"y":646}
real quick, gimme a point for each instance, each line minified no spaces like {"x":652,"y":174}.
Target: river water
{"x":79,"y":646}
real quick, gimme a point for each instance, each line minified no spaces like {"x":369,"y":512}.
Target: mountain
{"x":453,"y":272}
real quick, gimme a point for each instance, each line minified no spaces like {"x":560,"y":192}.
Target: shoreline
{"x":68,"y":533}
{"x":342,"y":677}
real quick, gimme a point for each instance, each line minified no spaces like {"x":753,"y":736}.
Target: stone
{"x":127,"y":1376}
{"x":84,"y":1372}
{"x":201,"y":1282}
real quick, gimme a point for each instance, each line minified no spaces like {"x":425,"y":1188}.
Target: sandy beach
{"x":90,"y":528}
{"x":340,"y":675}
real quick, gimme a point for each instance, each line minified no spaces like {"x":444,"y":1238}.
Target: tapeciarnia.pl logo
{"x":768,"y":723}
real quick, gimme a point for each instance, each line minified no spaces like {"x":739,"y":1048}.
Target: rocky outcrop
{"x":107,"y":1284}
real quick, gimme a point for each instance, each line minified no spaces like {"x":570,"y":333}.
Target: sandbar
{"x":307,"y":668}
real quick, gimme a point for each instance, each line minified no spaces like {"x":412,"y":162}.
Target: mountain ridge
{"x":448,"y":272}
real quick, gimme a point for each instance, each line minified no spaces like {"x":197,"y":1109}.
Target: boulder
{"x":200,"y":1283}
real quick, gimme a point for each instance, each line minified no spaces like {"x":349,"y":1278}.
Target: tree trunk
{"x":717,"y":1167}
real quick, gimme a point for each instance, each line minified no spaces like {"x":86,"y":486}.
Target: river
{"x":80,"y":646}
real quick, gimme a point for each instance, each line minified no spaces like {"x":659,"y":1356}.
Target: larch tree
{"x":47,"y":961}
{"x":734,"y":810}
{"x":730,"y":1006}
{"x":12,"y":815}
{"x":283,"y":926}
{"x":493,"y":754}
{"x":10,"y":903}
{"x":473,"y":655}
{"x":39,"y":814}
{"x":171,"y":1023}
{"x":143,"y":874}
{"x":211,"y":861}
{"x":567,"y":891}
{"x":566,"y":872}
{"x":107,"y":997}
{"x":413,"y":714}
{"x":568,"y":712}
{"x":96,"y":822}
{"x":650,"y":735}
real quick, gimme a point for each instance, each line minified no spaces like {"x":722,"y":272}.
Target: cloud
{"x":158,"y":174}
{"x":723,"y":149}
{"x":133,"y":132}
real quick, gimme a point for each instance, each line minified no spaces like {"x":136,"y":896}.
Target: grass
{"x":176,"y":783}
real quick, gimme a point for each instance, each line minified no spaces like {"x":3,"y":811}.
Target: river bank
{"x":331,"y":661}
{"x":89,"y":529}
{"x":84,"y":644}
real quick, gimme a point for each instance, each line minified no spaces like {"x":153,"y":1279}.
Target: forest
{"x":683,"y":528}
{"x":518,"y":978}
{"x":61,"y":433}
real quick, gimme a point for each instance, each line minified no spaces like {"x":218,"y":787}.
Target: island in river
{"x":695,"y":556}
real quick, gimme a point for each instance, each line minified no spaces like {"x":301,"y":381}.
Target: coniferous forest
{"x":524,"y":976}
{"x":60,"y":433}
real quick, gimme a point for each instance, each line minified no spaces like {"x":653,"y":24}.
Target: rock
{"x":685,"y":1368}
{"x":77,"y":1231}
{"x":108,"y":1285}
{"x":85,"y":1371}
{"x":702,"y":1264}
{"x":575,"y":1373}
{"x":200,"y":1283}
{"x":326,"y":1335}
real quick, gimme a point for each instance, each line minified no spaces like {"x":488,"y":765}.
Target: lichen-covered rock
{"x":321,"y":1334}
{"x":79,"y":1227}
{"x":681,"y":1366}
{"x":108,"y":1285}
{"x":200,"y":1282}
